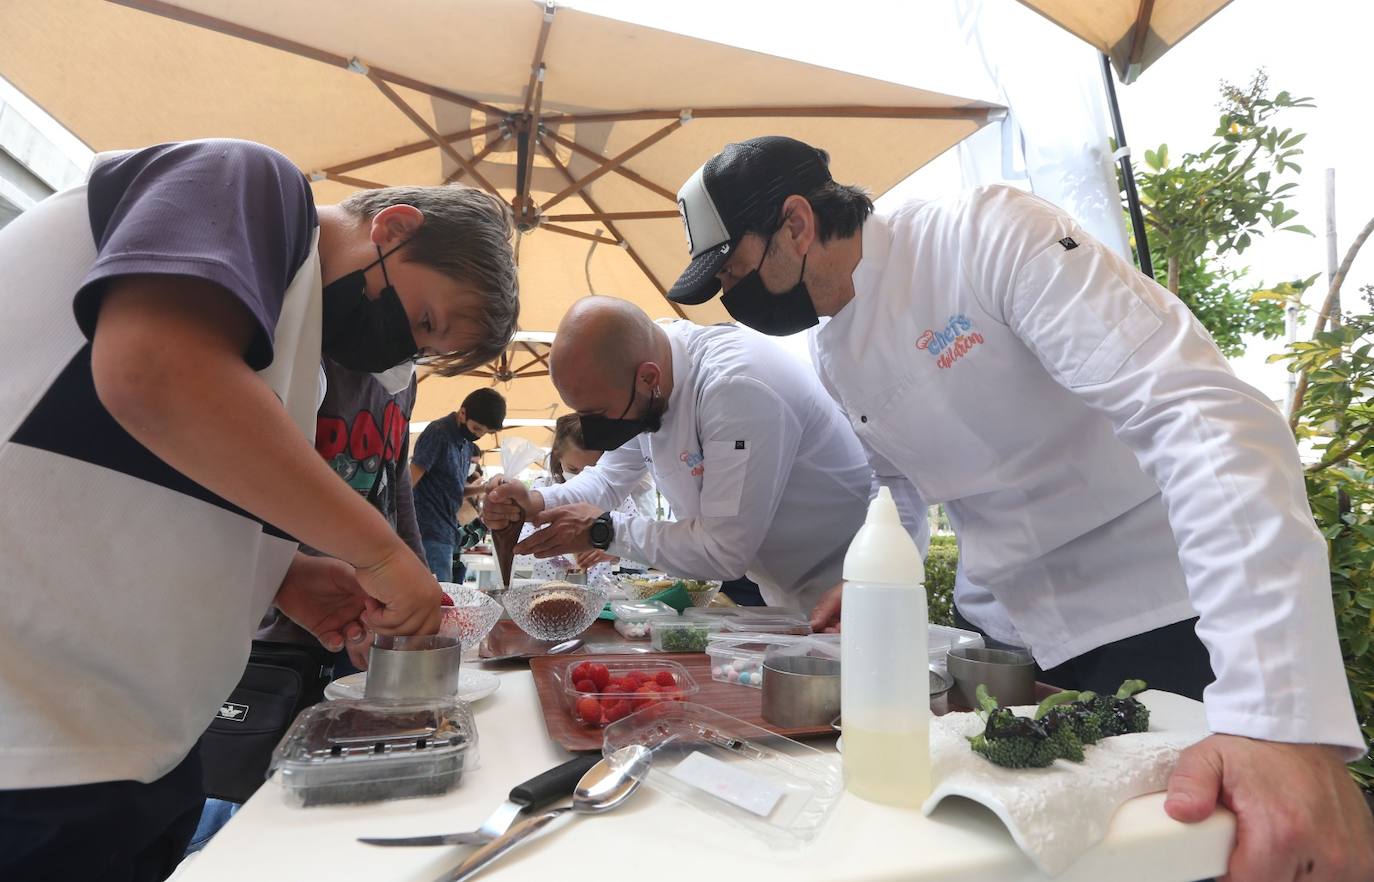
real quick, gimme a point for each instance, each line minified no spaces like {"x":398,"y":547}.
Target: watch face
{"x":601,"y":533}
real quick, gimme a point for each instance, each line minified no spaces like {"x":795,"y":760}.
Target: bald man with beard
{"x":764,"y":474}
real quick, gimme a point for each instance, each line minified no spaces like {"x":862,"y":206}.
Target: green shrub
{"x":941,"y":562}
{"x":1336,"y":415}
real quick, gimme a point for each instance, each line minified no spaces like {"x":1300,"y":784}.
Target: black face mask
{"x":603,"y":433}
{"x":363,"y":334}
{"x":754,"y":306}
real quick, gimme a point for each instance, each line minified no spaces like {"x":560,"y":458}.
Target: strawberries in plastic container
{"x":602,"y":694}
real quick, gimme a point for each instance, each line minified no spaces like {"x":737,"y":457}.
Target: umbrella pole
{"x":1142,"y":242}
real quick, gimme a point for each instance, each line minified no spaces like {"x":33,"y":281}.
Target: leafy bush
{"x":941,"y":562}
{"x":1336,"y":415}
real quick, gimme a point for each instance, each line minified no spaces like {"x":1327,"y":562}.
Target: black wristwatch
{"x":602,"y":532}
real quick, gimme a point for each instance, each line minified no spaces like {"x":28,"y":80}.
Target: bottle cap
{"x":882,"y":550}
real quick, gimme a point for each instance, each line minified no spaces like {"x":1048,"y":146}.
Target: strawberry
{"x":588,"y":710}
{"x":633,"y":681}
{"x":446,"y":600}
{"x":665,"y":678}
{"x":600,"y":675}
{"x":581,"y":672}
{"x":617,"y":710}
{"x":585,"y":686}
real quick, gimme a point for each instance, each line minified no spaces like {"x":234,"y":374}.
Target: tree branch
{"x":1332,"y":295}
{"x":1344,"y":454}
{"x":1240,"y":169}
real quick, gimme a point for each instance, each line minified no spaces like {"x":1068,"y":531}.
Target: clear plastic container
{"x":771,"y":786}
{"x":711,"y":613}
{"x":770,"y":620}
{"x":612,"y":696}
{"x":942,"y":638}
{"x":681,"y":635}
{"x":632,"y":617}
{"x":371,"y":750}
{"x":738,"y":661}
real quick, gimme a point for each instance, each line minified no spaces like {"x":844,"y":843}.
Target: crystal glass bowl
{"x":554,"y":610}
{"x":471,"y":617}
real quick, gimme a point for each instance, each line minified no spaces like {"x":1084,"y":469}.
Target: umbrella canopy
{"x":585,"y":125}
{"x":1134,"y":33}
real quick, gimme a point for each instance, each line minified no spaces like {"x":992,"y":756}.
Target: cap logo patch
{"x":686,"y":225}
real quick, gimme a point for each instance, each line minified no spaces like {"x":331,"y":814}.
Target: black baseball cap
{"x":736,"y":186}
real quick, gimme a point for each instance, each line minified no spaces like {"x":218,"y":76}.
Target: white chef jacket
{"x":763,"y":473}
{"x":1105,"y":470}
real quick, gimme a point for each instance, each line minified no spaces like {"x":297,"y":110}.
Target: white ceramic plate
{"x":472,"y":685}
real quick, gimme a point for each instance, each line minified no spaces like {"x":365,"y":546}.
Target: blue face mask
{"x":750,"y":303}
{"x":604,"y":433}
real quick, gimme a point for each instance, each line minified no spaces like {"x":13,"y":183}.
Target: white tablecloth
{"x":653,"y":836}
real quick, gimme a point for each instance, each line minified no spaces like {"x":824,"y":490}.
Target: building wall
{"x":32,"y":166}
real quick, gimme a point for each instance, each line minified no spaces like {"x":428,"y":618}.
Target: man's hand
{"x":588,"y":559}
{"x":403,"y":596}
{"x":1299,"y":816}
{"x":825,"y":617}
{"x":323,"y":596}
{"x":567,"y":530}
{"x":358,"y":650}
{"x":505,"y":500}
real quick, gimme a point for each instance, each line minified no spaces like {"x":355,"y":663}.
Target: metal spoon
{"x":605,"y":786}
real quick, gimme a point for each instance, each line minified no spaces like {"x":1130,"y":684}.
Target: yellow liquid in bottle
{"x":892,"y":768}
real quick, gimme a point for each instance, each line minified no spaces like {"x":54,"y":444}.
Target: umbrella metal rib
{"x":410,"y":149}
{"x":429,"y":131}
{"x":477,"y":157}
{"x":611,"y":165}
{"x":1138,"y":32}
{"x":629,"y":249}
{"x":578,"y":234}
{"x":620,"y":170}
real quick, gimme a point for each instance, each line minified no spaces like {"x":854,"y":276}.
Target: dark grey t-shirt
{"x":363,"y":432}
{"x":231,"y":212}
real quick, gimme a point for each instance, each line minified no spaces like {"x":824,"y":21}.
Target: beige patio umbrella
{"x":584,"y":124}
{"x":1133,"y":33}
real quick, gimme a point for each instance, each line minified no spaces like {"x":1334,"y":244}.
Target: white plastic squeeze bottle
{"x":884,"y":678}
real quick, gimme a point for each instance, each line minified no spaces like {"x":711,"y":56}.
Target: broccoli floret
{"x":1011,"y":741}
{"x":1122,"y":714}
{"x":1062,"y":741}
{"x":1077,"y":712}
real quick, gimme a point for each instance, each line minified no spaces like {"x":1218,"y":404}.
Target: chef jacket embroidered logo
{"x":694,"y":461}
{"x":950,"y":343}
